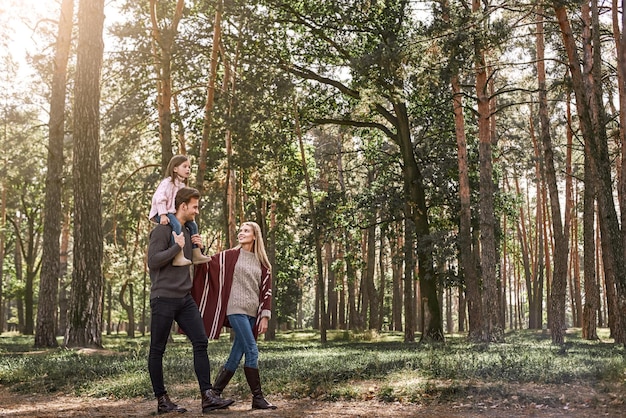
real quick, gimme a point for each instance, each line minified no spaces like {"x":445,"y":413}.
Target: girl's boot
{"x":198,"y":257}
{"x":181,"y":260}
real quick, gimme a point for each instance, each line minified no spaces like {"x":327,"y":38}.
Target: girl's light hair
{"x":175,"y":161}
{"x":259,"y":247}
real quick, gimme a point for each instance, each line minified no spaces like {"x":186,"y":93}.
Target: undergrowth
{"x":297,"y":365}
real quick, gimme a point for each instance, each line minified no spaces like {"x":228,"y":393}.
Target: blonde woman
{"x":235,"y":290}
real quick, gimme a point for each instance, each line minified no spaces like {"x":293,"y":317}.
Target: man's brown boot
{"x":211,"y":401}
{"x":165,"y":405}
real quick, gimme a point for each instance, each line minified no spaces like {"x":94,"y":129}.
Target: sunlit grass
{"x":297,"y":365}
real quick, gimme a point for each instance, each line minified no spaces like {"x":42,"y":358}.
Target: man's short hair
{"x":185,"y":195}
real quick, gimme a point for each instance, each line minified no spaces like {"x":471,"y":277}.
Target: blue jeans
{"x":244,"y":342}
{"x":186,"y":314}
{"x":191,"y":225}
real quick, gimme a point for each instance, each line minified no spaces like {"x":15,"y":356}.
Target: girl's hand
{"x":164,"y":220}
{"x":263,"y":325}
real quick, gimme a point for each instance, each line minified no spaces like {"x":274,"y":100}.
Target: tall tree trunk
{"x":332,"y":293}
{"x":432,"y":324}
{"x":321,"y":288}
{"x":466,"y":254}
{"x":561,"y":238}
{"x":409,"y":268}
{"x":492,"y":330}
{"x":396,"y":267}
{"x":45,"y":333}
{"x":620,"y":47}
{"x":162,"y":49}
{"x":3,"y":222}
{"x":370,"y":264}
{"x":210,"y":99}
{"x":270,"y":335}
{"x":592,"y":124}
{"x":525,"y":249}
{"x":63,"y":284}
{"x":85,"y":317}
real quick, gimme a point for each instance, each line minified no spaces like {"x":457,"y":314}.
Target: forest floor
{"x":533,"y":400}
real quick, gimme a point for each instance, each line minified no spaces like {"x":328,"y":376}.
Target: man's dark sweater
{"x":168,"y":281}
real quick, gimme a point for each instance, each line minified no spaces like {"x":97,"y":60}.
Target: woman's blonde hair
{"x":259,"y":247}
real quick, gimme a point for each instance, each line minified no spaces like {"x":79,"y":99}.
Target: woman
{"x":235,"y":290}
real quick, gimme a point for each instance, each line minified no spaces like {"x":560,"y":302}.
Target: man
{"x":170,"y":300}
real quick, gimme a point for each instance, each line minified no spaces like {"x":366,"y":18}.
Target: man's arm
{"x":159,"y":251}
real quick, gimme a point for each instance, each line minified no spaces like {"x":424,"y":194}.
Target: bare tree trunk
{"x":492,"y":330}
{"x":210,"y":99}
{"x":85,"y":316}
{"x":370,"y":266}
{"x":45,"y":333}
{"x":396,"y":267}
{"x":270,"y":335}
{"x":3,"y":222}
{"x":409,"y":268}
{"x":592,"y":124}
{"x":620,"y":47}
{"x":526,"y":259}
{"x":561,"y":232}
{"x":162,"y":46}
{"x":466,"y":255}
{"x":332,"y":293}
{"x":63,"y":285}
{"x":321,"y":288}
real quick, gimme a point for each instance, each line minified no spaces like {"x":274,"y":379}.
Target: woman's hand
{"x":263,"y":325}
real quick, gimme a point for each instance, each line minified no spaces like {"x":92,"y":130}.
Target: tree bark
{"x":45,"y":333}
{"x":592,"y":124}
{"x":210,"y":99}
{"x":561,"y":232}
{"x":466,"y":254}
{"x":162,"y":49}
{"x":492,"y":330}
{"x":321,"y":288}
{"x":85,"y":314}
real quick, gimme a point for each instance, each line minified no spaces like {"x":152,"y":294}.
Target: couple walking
{"x":232,"y":289}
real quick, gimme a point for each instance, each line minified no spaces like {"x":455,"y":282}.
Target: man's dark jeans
{"x":185,"y":312}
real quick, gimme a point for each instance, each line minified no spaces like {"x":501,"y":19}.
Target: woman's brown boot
{"x":254,"y":381}
{"x":222,"y":379}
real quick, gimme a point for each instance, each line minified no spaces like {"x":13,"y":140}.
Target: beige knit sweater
{"x":244,"y":293}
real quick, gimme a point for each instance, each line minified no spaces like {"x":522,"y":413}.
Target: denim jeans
{"x":244,"y":342}
{"x":191,"y":225}
{"x":186,"y":314}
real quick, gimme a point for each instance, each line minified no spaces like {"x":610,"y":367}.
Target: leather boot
{"x":222,"y":379}
{"x":180,"y":259}
{"x":165,"y":405}
{"x":211,"y":401}
{"x":198,"y":257}
{"x":254,"y":381}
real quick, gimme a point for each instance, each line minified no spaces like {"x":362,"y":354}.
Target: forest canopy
{"x":429,"y":167}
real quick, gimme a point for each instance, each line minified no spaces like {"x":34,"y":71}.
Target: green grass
{"x":297,"y":365}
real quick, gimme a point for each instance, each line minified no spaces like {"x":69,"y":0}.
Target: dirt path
{"x":59,"y":405}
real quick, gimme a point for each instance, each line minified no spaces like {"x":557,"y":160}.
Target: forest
{"x":426,"y":167}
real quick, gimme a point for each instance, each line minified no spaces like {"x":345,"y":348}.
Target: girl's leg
{"x":193,"y":229}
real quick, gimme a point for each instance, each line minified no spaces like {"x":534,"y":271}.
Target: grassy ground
{"x":350,"y":367}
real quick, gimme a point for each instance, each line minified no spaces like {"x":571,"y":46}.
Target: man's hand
{"x":179,"y":239}
{"x":197,"y":239}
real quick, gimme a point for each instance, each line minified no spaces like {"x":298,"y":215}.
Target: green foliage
{"x":297,"y":365}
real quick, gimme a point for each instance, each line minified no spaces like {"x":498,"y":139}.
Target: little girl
{"x":163,"y":209}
